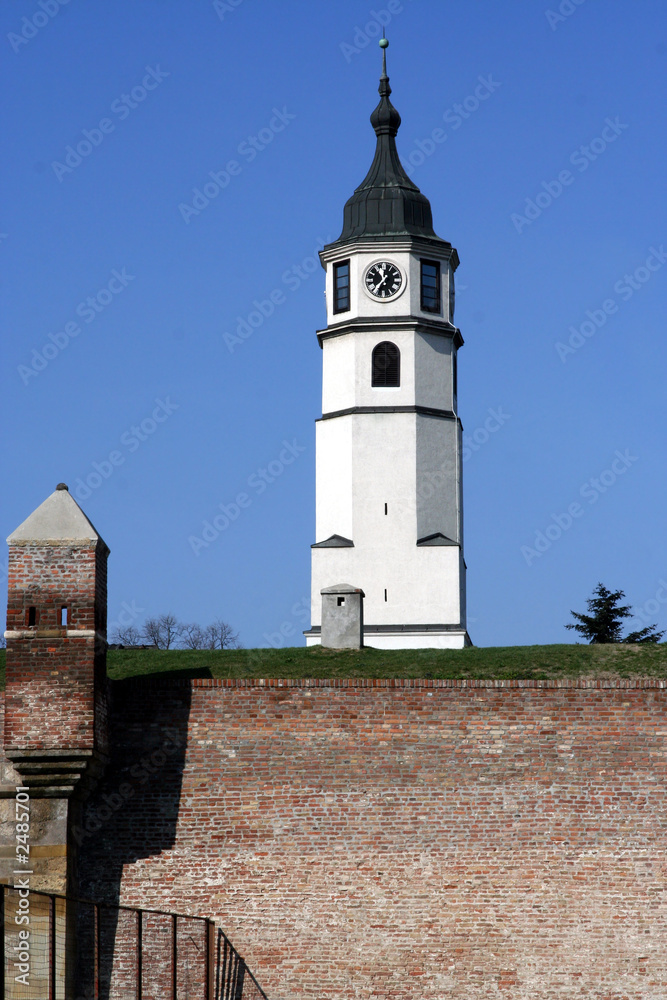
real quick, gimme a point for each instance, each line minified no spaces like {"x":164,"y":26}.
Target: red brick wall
{"x":49,"y":576}
{"x":415,"y":839}
{"x":50,"y":694}
{"x":55,"y":681}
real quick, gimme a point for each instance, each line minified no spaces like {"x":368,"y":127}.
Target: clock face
{"x":383,"y":280}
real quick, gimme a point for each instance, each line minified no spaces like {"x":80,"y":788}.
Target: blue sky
{"x":549,"y":180}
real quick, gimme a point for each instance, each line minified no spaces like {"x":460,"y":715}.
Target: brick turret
{"x":55,"y":717}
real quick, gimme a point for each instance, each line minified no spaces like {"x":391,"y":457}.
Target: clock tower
{"x":389,"y":501}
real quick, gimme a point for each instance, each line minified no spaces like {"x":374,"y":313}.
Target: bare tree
{"x":166,"y":632}
{"x":151,"y":632}
{"x":193,"y":636}
{"x":162,"y":632}
{"x":126,"y":636}
{"x":221,"y":636}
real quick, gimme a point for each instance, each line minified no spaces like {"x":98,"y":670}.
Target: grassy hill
{"x":493,"y":662}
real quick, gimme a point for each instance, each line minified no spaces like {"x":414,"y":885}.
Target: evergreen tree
{"x":604,"y":621}
{"x":647,"y":634}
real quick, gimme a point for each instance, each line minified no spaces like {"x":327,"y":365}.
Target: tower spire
{"x":387,"y":202}
{"x":384,"y":45}
{"x":385,"y":119}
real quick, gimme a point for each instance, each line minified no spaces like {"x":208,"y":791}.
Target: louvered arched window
{"x":386,"y":365}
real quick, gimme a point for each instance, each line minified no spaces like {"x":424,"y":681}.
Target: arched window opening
{"x":386,"y":365}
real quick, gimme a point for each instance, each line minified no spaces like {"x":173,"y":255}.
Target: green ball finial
{"x":383,"y":43}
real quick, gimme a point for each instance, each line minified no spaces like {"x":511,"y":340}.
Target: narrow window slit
{"x":63,"y":615}
{"x":341,"y":286}
{"x":32,"y":617}
{"x":385,"y":593}
{"x":430,"y":286}
{"x":385,"y":508}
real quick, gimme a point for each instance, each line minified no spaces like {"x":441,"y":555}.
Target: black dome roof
{"x":387,"y":202}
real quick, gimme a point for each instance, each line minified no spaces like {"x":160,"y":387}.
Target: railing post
{"x":210,"y":946}
{"x":226,"y":968}
{"x":235,"y":979}
{"x":53,"y":979}
{"x":174,"y":956}
{"x":2,"y":941}
{"x":98,"y":947}
{"x":140,"y":971}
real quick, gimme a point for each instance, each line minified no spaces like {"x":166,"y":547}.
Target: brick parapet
{"x":580,"y":683}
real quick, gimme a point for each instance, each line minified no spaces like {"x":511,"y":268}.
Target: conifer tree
{"x":604,"y":621}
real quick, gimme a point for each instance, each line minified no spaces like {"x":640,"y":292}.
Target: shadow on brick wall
{"x":133,"y":811}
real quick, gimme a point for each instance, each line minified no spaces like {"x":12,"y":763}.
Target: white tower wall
{"x":394,"y":446}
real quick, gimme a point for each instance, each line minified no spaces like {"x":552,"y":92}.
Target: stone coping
{"x":583,"y":683}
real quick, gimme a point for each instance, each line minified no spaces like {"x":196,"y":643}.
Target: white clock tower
{"x":389,"y":500}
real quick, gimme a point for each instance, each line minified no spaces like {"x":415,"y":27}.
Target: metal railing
{"x":55,"y":947}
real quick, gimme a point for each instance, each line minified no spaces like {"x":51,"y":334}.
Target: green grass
{"x":500,"y":663}
{"x":493,"y":662}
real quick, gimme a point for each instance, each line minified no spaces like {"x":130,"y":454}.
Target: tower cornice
{"x":384,"y":244}
{"x":422,"y":411}
{"x":410,"y":324}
